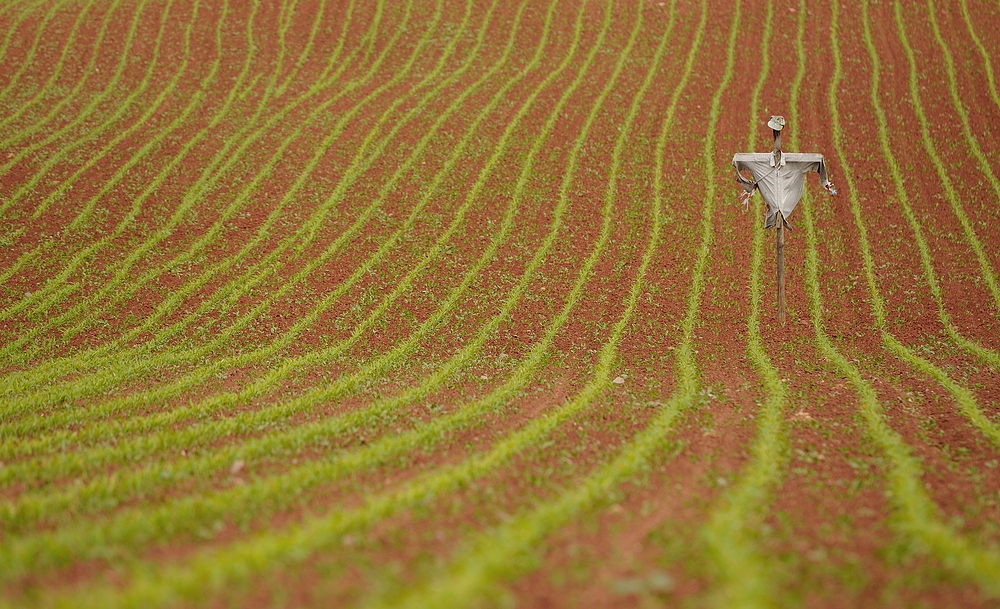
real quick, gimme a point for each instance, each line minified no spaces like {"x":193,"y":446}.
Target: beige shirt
{"x":781,"y":185}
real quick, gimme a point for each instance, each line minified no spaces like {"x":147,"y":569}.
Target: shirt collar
{"x":771,"y":159}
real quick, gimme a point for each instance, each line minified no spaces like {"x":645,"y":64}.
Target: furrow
{"x":986,"y":268}
{"x":122,"y":373}
{"x":963,"y":397}
{"x":989,"y":356}
{"x":44,"y":299}
{"x":24,"y":133}
{"x":309,"y":433}
{"x":86,"y":112}
{"x":50,"y":290}
{"x":190,"y":200}
{"x":52,"y":294}
{"x":25,"y":12}
{"x":133,"y":528}
{"x":306,"y":538}
{"x":730,"y":532}
{"x":273,"y":377}
{"x":14,"y":81}
{"x":53,"y":159}
{"x":57,"y":70}
{"x":917,"y":518}
{"x":45,"y":372}
{"x":987,"y":63}
{"x":499,"y":554}
{"x":55,"y":285}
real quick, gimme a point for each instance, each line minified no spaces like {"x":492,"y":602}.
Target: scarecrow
{"x":780,"y":177}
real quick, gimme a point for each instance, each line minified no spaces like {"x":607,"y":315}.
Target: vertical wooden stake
{"x":781,"y":269}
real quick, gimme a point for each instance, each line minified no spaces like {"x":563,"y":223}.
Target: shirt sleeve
{"x":810,"y":162}
{"x":739,"y":166}
{"x":821,"y":170}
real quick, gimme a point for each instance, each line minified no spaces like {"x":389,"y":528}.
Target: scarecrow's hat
{"x":776,"y":122}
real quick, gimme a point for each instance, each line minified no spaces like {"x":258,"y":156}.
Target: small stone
{"x":629,"y":586}
{"x":619,"y":380}
{"x":237,"y":466}
{"x":660,"y":582}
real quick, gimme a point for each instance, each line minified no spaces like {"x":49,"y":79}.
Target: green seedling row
{"x":43,"y":300}
{"x":209,"y":176}
{"x":288,"y":365}
{"x":57,"y":70}
{"x":987,"y":63}
{"x":203,"y":241}
{"x":321,"y":531}
{"x":331,"y":427}
{"x":23,"y":133}
{"x":507,"y":551}
{"x":963,"y":397}
{"x":57,"y":287}
{"x":989,"y":356}
{"x":265,"y":384}
{"x":99,"y":357}
{"x":985,"y":267}
{"x":52,"y":160}
{"x":14,"y":80}
{"x":25,"y":9}
{"x":107,"y":465}
{"x":917,"y":518}
{"x":120,"y":373}
{"x":176,"y":297}
{"x":52,"y":291}
{"x":742,"y":576}
{"x":82,"y":216}
{"x":80,"y":118}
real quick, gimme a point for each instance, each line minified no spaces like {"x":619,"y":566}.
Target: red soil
{"x":827,"y":532}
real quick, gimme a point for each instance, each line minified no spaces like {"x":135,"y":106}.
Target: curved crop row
{"x":267,"y":382}
{"x":917,"y":517}
{"x":135,"y":527}
{"x":987,"y":64}
{"x":209,"y":177}
{"x":261,"y":386}
{"x":499,"y":554}
{"x":25,"y":132}
{"x":49,"y":296}
{"x":432,"y":484}
{"x":730,"y":531}
{"x":60,"y":63}
{"x":105,"y":355}
{"x":32,"y":50}
{"x":968,"y":231}
{"x":309,"y":433}
{"x":963,"y":397}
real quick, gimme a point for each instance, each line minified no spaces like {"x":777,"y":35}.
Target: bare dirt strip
{"x":449,"y":303}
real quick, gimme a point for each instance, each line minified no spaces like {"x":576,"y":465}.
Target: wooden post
{"x":781,"y":269}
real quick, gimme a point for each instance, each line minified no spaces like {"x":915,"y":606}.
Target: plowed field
{"x":450,"y":303}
